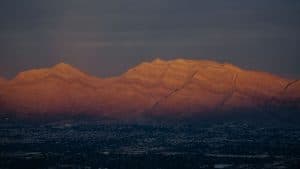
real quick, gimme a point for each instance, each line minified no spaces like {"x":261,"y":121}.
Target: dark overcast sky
{"x":106,"y":37}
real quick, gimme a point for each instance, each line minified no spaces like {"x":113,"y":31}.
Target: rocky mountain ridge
{"x":175,"y":87}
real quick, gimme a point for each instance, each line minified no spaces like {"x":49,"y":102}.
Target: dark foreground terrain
{"x":88,"y":144}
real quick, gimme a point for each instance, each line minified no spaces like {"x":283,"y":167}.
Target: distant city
{"x":73,"y":144}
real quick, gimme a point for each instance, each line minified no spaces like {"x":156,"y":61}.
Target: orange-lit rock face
{"x":2,"y":81}
{"x":178,"y":87}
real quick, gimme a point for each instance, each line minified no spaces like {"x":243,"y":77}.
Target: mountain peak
{"x":158,"y":61}
{"x":63,"y":65}
{"x":62,"y":70}
{"x":65,"y":68}
{"x":188,"y":63}
{"x":67,"y":71}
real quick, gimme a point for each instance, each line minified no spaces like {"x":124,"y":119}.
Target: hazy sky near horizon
{"x":106,"y":37}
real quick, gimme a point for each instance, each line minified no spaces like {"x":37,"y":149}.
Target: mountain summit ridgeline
{"x":179,"y":88}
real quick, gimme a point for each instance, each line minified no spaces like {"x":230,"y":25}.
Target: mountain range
{"x":177,"y":88}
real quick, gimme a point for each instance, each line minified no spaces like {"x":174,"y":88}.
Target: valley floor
{"x":90,"y":144}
